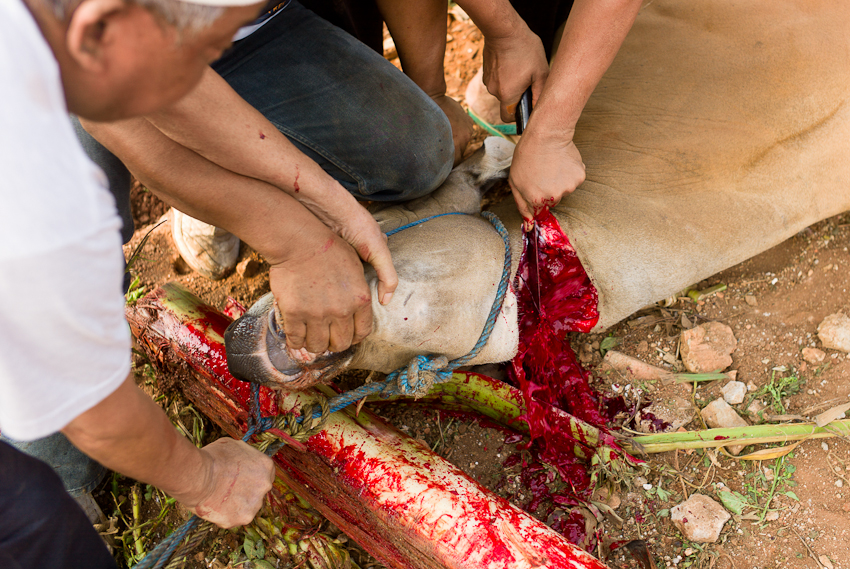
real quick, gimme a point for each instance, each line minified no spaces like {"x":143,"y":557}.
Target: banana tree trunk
{"x":402,"y":503}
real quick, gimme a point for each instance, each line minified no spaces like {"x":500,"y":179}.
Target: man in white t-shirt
{"x":64,"y":344}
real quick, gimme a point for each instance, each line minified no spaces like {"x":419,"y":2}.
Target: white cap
{"x":222,"y":2}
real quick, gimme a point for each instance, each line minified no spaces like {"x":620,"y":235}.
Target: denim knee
{"x":412,"y":161}
{"x":346,"y":107}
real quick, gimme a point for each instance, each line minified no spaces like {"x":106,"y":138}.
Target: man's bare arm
{"x":419,"y":32}
{"x":514,"y":58}
{"x":547,"y":164}
{"x":316,"y":276}
{"x":224,"y":482}
{"x":248,"y":144}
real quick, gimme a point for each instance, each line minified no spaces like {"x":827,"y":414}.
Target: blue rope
{"x":403,"y":381}
{"x":161,"y":555}
{"x":424,"y":219}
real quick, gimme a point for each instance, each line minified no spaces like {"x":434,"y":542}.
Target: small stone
{"x":813,"y":355}
{"x":699,"y":518}
{"x":734,"y":392}
{"x":708,"y":347}
{"x":771,"y":516}
{"x":751,"y":386}
{"x":846,"y":506}
{"x":839,"y":483}
{"x":643,"y":346}
{"x":665,"y":416}
{"x":755,"y":407}
{"x":834,"y":332}
{"x":824,"y":446}
{"x":718,"y":414}
{"x":247,"y":268}
{"x":751,"y":300}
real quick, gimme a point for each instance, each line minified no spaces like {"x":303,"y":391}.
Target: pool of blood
{"x":555,"y":297}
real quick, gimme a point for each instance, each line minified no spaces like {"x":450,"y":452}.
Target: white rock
{"x":718,"y":414}
{"x":771,"y":516}
{"x":813,"y":355}
{"x":734,"y":392}
{"x":707,"y":347}
{"x":834,"y":332}
{"x":699,"y":518}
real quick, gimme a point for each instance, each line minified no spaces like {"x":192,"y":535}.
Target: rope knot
{"x":421,"y":374}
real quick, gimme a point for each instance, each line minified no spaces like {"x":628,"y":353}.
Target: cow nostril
{"x":277,"y":352}
{"x":274,"y":328}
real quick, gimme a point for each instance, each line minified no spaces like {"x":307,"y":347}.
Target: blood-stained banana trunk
{"x":401,"y":502}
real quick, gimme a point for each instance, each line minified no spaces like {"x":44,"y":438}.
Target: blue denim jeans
{"x":78,"y":472}
{"x":342,"y":104}
{"x":40,"y":524}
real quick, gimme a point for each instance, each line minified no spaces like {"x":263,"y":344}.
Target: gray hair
{"x":185,"y":16}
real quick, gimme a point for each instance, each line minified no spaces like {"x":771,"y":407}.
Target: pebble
{"x":708,"y":347}
{"x":674,"y":411}
{"x":771,"y":516}
{"x":734,"y":392}
{"x":247,"y":268}
{"x":834,"y":332}
{"x":718,"y":414}
{"x":839,"y":483}
{"x":755,"y":407}
{"x":813,"y":356}
{"x":699,"y":518}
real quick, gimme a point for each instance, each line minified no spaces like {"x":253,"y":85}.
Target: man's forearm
{"x":419,"y":32}
{"x":495,"y":18}
{"x":593,"y":34}
{"x":270,"y":221}
{"x":246,"y":143}
{"x":127,"y":432}
{"x":224,"y":482}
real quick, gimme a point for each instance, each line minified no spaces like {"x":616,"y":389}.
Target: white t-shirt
{"x":64,"y":342}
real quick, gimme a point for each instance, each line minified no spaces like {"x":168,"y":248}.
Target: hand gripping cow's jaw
{"x":257,"y":352}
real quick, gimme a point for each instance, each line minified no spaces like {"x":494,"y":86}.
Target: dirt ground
{"x":773,"y":303}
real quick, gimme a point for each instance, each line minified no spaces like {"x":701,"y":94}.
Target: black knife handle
{"x":523,"y":111}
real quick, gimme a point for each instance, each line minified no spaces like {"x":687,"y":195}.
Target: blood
{"x":194,"y":334}
{"x":295,"y":185}
{"x":555,"y":296}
